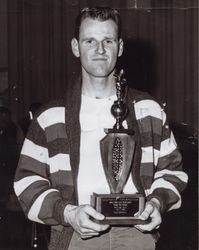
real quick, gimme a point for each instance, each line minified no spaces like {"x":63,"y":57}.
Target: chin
{"x":103,"y":73}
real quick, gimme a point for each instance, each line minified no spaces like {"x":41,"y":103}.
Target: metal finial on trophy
{"x":119,"y":109}
{"x":120,"y":85}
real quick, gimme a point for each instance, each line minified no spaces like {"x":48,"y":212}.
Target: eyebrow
{"x":106,"y":38}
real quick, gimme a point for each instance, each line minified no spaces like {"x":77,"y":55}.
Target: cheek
{"x":113,"y":53}
{"x":113,"y":57}
{"x":85,"y":55}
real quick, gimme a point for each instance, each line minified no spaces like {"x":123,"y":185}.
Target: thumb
{"x":93,"y":213}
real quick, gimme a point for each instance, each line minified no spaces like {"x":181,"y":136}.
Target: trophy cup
{"x":117,"y":151}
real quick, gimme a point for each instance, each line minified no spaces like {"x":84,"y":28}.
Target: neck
{"x":98,"y":87}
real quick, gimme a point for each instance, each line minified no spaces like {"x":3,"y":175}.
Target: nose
{"x":100,"y":48}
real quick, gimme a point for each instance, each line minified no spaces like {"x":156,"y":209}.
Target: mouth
{"x":99,"y":59}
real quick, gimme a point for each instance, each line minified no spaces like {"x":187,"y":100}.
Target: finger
{"x":144,"y":228}
{"x":84,"y":230}
{"x":137,"y":214}
{"x":93,"y":213}
{"x":149,"y":227}
{"x":89,"y":224}
{"x":86,"y":236}
{"x":138,"y":227}
{"x":147,"y":212}
{"x":95,"y":226}
{"x":89,"y":234}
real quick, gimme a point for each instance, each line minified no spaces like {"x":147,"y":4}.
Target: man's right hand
{"x":80,"y":218}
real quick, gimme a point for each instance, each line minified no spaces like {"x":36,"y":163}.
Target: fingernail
{"x":101,"y":217}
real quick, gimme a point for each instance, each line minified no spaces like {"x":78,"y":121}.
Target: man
{"x":60,"y":164}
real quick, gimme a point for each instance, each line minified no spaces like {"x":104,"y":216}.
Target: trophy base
{"x":119,"y":209}
{"x":123,"y":221}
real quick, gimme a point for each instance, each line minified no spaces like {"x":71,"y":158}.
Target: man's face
{"x":98,"y":47}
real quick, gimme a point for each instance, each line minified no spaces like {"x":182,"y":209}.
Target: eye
{"x":90,"y":41}
{"x":108,"y":41}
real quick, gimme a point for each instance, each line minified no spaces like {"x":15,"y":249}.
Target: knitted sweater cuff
{"x":59,"y":212}
{"x":166,"y":197}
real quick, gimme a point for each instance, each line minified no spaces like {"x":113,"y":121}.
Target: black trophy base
{"x":124,"y":221}
{"x":119,"y":209}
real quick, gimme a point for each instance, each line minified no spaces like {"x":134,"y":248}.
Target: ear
{"x":75,"y":47}
{"x":121,"y":47}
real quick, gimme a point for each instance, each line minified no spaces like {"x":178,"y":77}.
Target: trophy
{"x":117,"y":151}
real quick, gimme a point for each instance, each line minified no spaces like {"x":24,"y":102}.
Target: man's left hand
{"x":152,"y":210}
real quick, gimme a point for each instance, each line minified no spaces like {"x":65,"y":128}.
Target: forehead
{"x":96,"y":28}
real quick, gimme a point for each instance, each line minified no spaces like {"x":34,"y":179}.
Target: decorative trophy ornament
{"x":117,"y":151}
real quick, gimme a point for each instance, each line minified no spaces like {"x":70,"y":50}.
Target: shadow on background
{"x":179,"y":229}
{"x":139,"y":63}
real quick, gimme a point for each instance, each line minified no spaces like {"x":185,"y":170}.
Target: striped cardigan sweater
{"x":46,"y":177}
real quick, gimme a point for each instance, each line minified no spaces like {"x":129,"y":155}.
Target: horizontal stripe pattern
{"x":166,"y":197}
{"x":148,"y":122}
{"x":60,"y":178}
{"x":146,"y":139}
{"x":151,"y":108}
{"x":49,"y":204}
{"x":30,"y":194}
{"x":149,"y":154}
{"x":59,"y":162}
{"x":51,"y":116}
{"x":147,"y":169}
{"x":58,"y":146}
{"x":172,"y":161}
{"x":163,"y":184}
{"x":177,"y":178}
{"x":35,"y":151}
{"x":27,"y":164}
{"x":176,"y":205}
{"x":168,"y":146}
{"x":34,"y":210}
{"x":23,"y":184}
{"x":55,"y":131}
{"x":36,"y":134}
{"x":179,"y":174}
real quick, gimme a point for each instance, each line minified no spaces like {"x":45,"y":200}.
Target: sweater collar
{"x":72,"y":108}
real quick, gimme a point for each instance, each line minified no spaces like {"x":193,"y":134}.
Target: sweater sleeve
{"x":40,"y":201}
{"x":161,"y":172}
{"x":169,"y":178}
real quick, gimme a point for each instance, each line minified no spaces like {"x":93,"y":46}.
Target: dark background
{"x":160,"y":56}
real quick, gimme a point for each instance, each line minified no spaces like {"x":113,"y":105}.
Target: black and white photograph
{"x":99,"y":124}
